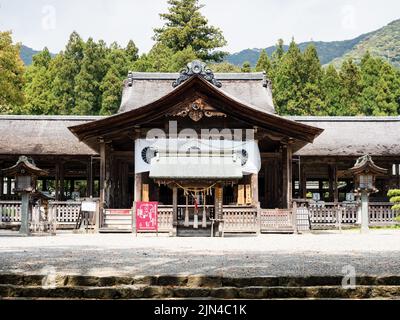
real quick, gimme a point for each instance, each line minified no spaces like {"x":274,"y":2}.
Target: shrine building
{"x":210,"y":149}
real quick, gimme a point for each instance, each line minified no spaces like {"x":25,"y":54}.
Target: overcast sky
{"x":245,"y":23}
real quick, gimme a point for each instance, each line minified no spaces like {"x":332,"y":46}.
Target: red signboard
{"x":146,"y":216}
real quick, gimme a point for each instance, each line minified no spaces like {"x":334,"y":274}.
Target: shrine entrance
{"x":195,"y":209}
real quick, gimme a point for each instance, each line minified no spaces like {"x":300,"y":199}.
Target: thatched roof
{"x":342,"y":136}
{"x":143,"y":88}
{"x":353,"y":136}
{"x":39,"y":135}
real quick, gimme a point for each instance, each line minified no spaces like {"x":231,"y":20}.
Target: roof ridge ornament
{"x":199,"y":68}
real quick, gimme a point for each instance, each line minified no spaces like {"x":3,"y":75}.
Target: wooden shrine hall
{"x":209,"y":148}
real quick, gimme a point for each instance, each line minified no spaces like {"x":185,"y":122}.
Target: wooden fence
{"x":276,"y":221}
{"x":165,"y":218}
{"x":337,"y":215}
{"x":240,"y":220}
{"x":65,"y":213}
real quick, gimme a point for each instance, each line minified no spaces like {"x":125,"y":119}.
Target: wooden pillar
{"x":175,"y":211}
{"x":71,"y":186}
{"x":1,"y":186}
{"x":219,"y":207}
{"x":102,"y":180}
{"x":124,"y":184}
{"x":9,"y":189}
{"x":89,"y":179}
{"x":254,"y":189}
{"x":45,"y":186}
{"x":333,"y":184}
{"x":62,"y":188}
{"x":108,"y":187}
{"x":138,"y":187}
{"x":287,"y":176}
{"x":57,"y":181}
{"x":303,"y":182}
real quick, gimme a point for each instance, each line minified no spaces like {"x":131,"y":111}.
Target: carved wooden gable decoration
{"x":196,"y":109}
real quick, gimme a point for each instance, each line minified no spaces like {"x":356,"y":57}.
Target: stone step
{"x":191,"y":232}
{"x":171,"y":292}
{"x":192,"y":281}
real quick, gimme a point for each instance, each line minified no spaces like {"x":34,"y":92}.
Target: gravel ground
{"x":376,"y":253}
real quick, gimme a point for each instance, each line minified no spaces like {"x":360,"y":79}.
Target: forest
{"x":86,"y":77}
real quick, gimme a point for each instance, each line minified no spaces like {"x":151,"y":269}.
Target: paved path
{"x":377,"y":253}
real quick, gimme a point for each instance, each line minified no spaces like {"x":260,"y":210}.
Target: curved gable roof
{"x":220,"y":100}
{"x":144,"y":88}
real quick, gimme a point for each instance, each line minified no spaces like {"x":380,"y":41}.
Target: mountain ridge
{"x":387,"y":36}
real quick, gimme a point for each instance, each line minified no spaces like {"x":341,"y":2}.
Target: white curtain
{"x":247,"y":151}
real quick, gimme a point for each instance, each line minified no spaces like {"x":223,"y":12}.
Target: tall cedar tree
{"x":380,"y":85}
{"x":119,"y":61}
{"x":87,"y":83}
{"x":11,"y":74}
{"x":288,"y":82}
{"x":64,"y":82}
{"x":350,"y":78}
{"x":38,"y":89}
{"x":185,"y":26}
{"x":313,"y":103}
{"x":331,"y":87}
{"x":264,"y":63}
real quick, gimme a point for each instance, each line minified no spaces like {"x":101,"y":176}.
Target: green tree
{"x":132,"y":52}
{"x":69,"y":67}
{"x":157,"y":60}
{"x":111,"y":86}
{"x":311,"y":74}
{"x":246,"y":67}
{"x":263,"y":63}
{"x":38,"y":86}
{"x":277,"y":56}
{"x":11,"y":74}
{"x":287,"y":85}
{"x":224,"y":67}
{"x":87,"y":82}
{"x":331,"y":87}
{"x":112,"y":90}
{"x":350,"y":78}
{"x":379,"y":82}
{"x":181,"y":58}
{"x":185,"y":26}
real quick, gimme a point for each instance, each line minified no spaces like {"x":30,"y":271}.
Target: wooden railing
{"x":65,"y":213}
{"x":240,"y":220}
{"x":276,"y":220}
{"x":10,"y":213}
{"x":381,"y":214}
{"x":336,"y":215}
{"x":165,"y":218}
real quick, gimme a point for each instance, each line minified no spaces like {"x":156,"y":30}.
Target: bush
{"x":394,"y":196}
